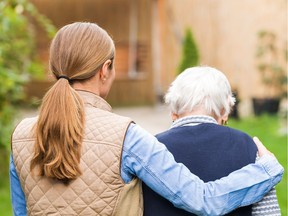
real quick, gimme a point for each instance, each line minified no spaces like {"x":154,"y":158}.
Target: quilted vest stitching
{"x":98,"y":190}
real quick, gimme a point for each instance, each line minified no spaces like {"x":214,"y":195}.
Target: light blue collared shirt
{"x":143,"y":156}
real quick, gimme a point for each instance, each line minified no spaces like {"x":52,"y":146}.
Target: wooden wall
{"x":114,"y":16}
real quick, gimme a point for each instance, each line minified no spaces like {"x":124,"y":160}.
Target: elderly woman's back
{"x":200,"y":100}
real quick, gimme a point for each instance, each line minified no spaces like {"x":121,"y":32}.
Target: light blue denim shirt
{"x":143,"y":156}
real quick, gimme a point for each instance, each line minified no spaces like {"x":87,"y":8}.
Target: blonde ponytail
{"x":76,"y":53}
{"x":59,"y":133}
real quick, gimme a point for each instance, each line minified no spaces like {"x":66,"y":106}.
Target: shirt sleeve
{"x":143,"y":156}
{"x":17,"y":194}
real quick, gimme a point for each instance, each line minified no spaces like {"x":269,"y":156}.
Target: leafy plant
{"x":271,"y":64}
{"x":18,"y":62}
{"x":190,"y":53}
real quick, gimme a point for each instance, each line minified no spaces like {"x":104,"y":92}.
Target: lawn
{"x":267,"y":128}
{"x":270,"y":131}
{"x":5,"y":204}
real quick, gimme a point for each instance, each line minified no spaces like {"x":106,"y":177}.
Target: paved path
{"x":154,"y":119}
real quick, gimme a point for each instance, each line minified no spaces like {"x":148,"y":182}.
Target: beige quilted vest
{"x":100,"y":190}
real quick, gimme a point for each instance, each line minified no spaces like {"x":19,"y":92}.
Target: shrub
{"x":190,"y":54}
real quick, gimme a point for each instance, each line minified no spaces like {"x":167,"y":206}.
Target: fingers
{"x":262,"y":150}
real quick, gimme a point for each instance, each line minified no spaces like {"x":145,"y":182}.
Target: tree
{"x":18,"y":62}
{"x":190,"y":54}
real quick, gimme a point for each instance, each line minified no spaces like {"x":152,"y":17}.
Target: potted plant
{"x":271,"y":65}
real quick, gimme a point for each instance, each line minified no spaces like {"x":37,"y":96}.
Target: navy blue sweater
{"x":210,"y":151}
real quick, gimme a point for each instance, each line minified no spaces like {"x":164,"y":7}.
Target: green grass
{"x":268,"y":130}
{"x":265,"y":127}
{"x":5,"y":203}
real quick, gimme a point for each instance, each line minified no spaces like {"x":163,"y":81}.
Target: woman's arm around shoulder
{"x":143,"y":156}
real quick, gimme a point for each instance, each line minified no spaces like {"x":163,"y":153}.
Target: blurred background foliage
{"x":190,"y":53}
{"x":18,"y":63}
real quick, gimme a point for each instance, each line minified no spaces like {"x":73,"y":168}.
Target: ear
{"x":105,"y":70}
{"x":223,"y":120}
{"x":174,"y":116}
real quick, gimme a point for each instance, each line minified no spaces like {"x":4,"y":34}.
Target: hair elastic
{"x":64,"y":77}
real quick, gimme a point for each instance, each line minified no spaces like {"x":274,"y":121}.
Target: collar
{"x":94,"y":100}
{"x":193,"y":120}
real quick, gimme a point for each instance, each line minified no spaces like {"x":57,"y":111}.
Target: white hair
{"x":200,"y":87}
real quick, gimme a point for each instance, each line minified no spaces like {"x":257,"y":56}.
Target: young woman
{"x":78,"y":158}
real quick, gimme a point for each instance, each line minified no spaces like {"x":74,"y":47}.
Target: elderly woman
{"x":200,"y":100}
{"x":79,"y":158}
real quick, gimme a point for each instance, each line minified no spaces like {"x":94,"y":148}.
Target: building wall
{"x":226,"y":34}
{"x":114,"y":17}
